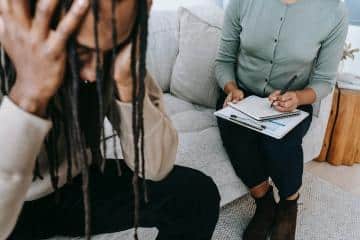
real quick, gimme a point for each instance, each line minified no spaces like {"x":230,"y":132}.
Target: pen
{"x":286,"y":88}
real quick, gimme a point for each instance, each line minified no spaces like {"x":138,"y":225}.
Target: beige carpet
{"x":326,"y":213}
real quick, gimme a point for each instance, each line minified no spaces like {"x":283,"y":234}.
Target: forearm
{"x":29,"y":100}
{"x":161,"y":139}
{"x":306,"y":96}
{"x":21,"y":137}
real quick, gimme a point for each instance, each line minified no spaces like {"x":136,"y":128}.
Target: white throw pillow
{"x":163,"y":46}
{"x":193,"y":77}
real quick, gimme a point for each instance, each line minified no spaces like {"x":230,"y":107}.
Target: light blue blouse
{"x":266,"y":42}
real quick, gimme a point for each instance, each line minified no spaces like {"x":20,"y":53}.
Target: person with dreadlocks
{"x":64,"y":67}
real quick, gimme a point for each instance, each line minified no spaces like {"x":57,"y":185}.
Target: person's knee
{"x":211,"y":190}
{"x":197,"y":188}
{"x":202,"y":187}
{"x":206,"y":191}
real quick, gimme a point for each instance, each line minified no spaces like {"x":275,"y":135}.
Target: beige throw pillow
{"x":193,"y":77}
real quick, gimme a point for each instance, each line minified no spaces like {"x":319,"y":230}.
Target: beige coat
{"x":21,"y":140}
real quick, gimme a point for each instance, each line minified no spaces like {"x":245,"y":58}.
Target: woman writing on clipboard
{"x":264,"y":43}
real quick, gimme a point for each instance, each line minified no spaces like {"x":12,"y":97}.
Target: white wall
{"x":354,"y":38}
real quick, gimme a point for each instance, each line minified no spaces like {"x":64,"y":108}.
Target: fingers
{"x":274,"y":96}
{"x":239,"y":96}
{"x":15,"y":10}
{"x":286,"y":97}
{"x":234,"y":97}
{"x":44,"y":12}
{"x":69,"y":24}
{"x":281,"y":109}
{"x":228,"y":99}
{"x":4,"y":6}
{"x":20,"y":11}
{"x":286,"y":106}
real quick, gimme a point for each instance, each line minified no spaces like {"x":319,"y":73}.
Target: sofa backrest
{"x":182,"y":48}
{"x":163,"y":55}
{"x":193,"y":77}
{"x":163,"y":46}
{"x":163,"y":43}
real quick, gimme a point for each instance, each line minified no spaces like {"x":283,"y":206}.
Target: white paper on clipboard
{"x":277,"y":128}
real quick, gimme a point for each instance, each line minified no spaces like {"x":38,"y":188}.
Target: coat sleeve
{"x":21,"y":138}
{"x":160,"y":137}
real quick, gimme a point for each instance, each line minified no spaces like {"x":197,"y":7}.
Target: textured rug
{"x":325,"y":213}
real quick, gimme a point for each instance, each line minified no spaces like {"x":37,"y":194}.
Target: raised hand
{"x":37,"y":52}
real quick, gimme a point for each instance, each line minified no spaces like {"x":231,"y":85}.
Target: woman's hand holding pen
{"x":287,"y":102}
{"x":291,"y":100}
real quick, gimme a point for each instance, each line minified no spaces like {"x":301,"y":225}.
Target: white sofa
{"x":182,"y":71}
{"x":200,"y":143}
{"x":182,"y":63}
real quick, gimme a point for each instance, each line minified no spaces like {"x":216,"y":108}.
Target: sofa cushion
{"x":163,"y":44}
{"x":200,"y":146}
{"x":193,"y":77}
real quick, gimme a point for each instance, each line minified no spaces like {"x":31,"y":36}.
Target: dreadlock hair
{"x":64,"y":110}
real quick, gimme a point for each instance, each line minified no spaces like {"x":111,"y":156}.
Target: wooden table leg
{"x":331,"y":123}
{"x":345,"y":139}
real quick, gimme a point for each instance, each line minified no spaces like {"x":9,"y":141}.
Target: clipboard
{"x":276,"y":128}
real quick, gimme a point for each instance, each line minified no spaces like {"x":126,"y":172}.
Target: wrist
{"x":298,"y":98}
{"x":230,"y":86}
{"x":306,"y":96}
{"x":30,"y":103}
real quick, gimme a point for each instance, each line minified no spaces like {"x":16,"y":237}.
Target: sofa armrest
{"x":313,"y":141}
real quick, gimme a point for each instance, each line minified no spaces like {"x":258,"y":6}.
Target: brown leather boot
{"x":260,"y":225}
{"x":285,"y":220}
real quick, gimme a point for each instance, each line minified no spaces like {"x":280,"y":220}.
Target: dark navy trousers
{"x":183,"y":206}
{"x":256,"y":157}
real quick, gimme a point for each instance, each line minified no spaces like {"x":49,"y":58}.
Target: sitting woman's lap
{"x":256,"y":157}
